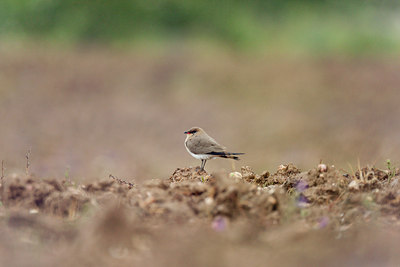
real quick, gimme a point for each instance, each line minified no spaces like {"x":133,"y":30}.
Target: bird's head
{"x":193,"y":131}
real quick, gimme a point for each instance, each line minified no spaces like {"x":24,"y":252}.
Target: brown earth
{"x":89,"y":111}
{"x":324,"y":216}
{"x":86,"y":112}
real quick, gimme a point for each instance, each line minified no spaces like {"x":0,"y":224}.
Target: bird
{"x":202,"y":146}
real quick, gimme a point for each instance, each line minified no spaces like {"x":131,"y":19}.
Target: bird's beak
{"x":186,"y":132}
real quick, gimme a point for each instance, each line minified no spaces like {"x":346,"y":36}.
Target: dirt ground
{"x":320,"y":217}
{"x":90,"y":111}
{"x":86,"y":112}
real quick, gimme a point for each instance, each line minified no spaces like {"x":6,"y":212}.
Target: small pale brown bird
{"x":201,"y":146}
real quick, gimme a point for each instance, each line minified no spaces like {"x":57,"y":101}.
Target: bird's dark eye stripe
{"x":193,"y":131}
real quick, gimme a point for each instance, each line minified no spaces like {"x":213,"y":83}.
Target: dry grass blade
{"x":359,"y":170}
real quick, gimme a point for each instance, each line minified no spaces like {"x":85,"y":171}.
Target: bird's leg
{"x":202,"y":165}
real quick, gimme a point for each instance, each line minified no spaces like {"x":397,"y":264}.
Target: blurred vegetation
{"x":352,"y":26}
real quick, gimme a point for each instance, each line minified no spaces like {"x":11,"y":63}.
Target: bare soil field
{"x":88,"y":112}
{"x":92,"y":111}
{"x":320,"y":217}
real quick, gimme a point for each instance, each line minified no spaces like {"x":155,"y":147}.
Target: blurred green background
{"x":290,"y":26}
{"x":98,"y":87}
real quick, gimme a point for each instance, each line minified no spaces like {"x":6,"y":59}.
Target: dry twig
{"x":28,"y":163}
{"x":2,"y":182}
{"x":122,"y":181}
{"x":2,"y":171}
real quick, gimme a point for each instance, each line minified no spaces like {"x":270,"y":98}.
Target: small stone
{"x":209,"y":201}
{"x":272,"y":200}
{"x":322,"y":167}
{"x":353,"y":185}
{"x":33,"y":211}
{"x":235,"y":175}
{"x":282,"y":167}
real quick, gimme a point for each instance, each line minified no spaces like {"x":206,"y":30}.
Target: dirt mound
{"x":188,"y":193}
{"x":286,"y":175}
{"x":250,"y":176}
{"x":50,"y":196}
{"x":251,"y":213}
{"x":107,"y":186}
{"x":191,"y":192}
{"x":61,"y":198}
{"x":196,"y":173}
{"x":217,"y":196}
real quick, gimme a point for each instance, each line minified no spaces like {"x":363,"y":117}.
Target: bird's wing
{"x":204,"y":145}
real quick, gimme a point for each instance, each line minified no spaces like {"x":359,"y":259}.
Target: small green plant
{"x":66,"y":174}
{"x":391,"y":169}
{"x":67,"y":178}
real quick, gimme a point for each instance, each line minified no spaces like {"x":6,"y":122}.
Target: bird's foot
{"x":200,"y":169}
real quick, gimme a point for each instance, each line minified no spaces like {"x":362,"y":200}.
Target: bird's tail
{"x":227,"y":155}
